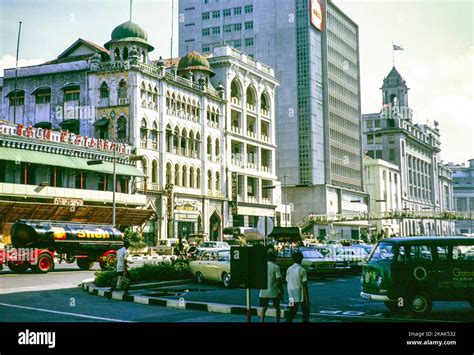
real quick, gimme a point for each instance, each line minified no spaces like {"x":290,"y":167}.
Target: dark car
{"x":313,"y":261}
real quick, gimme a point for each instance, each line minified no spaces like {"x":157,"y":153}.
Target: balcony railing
{"x":264,"y":138}
{"x":265,"y":169}
{"x":266,"y":200}
{"x":150,"y":186}
{"x":235,"y":100}
{"x":217,"y":194}
{"x":252,"y":166}
{"x":251,"y":107}
{"x":236,"y":129}
{"x":237,"y":162}
{"x":251,"y":134}
{"x":251,"y":199}
{"x":265,"y":113}
{"x":144,"y":144}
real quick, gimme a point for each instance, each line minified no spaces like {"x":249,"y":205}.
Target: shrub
{"x":177,"y":269}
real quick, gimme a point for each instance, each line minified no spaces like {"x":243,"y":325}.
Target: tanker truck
{"x":36,"y":244}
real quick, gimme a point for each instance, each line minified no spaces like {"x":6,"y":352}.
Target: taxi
{"x":412,"y":272}
{"x":212,"y":265}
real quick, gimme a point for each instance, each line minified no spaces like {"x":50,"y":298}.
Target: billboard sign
{"x":316,"y":14}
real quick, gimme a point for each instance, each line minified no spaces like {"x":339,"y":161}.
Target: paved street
{"x":55,"y":296}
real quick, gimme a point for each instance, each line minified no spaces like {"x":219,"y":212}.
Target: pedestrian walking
{"x":123,"y":277}
{"x":274,"y":291}
{"x":297,"y":283}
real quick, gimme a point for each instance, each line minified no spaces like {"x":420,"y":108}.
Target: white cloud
{"x":8,"y":61}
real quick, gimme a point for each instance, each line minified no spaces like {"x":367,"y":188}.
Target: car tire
{"x":419,"y":303}
{"x":109,"y":263}
{"x":18,"y":268}
{"x":226,"y":279}
{"x":199,"y":277}
{"x":44,"y":265}
{"x":85,"y":263}
{"x":393,"y":306}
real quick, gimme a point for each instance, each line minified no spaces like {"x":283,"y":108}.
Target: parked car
{"x":212,"y":265}
{"x":342,"y":265}
{"x":354,"y":257}
{"x":313,"y":261}
{"x":213,"y":246}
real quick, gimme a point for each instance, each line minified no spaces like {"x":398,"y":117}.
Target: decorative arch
{"x":236,"y":89}
{"x":251,"y":95}
{"x":177,"y":179}
{"x":154,"y":171}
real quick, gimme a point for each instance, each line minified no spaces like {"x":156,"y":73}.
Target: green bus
{"x":412,"y":272}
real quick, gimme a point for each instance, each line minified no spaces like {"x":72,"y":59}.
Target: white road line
{"x":51,"y":287}
{"x":66,"y":313}
{"x":378,"y":316}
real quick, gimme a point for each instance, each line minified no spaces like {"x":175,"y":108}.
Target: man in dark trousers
{"x":297,"y":282}
{"x":123,"y":278}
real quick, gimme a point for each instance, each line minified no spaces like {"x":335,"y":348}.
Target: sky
{"x":437,"y":61}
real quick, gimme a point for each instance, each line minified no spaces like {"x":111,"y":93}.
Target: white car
{"x":212,"y":265}
{"x":213,"y":246}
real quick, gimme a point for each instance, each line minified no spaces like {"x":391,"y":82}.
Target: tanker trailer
{"x":36,"y":243}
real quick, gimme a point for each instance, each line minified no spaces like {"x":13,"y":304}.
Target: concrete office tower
{"x":314,"y":48}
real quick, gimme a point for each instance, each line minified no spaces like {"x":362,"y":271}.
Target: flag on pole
{"x":397,"y":48}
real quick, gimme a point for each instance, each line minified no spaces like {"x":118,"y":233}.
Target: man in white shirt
{"x":297,"y":283}
{"x":274,"y":290}
{"x":122,"y":268}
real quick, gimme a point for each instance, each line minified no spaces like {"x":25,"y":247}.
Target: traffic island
{"x":212,"y":307}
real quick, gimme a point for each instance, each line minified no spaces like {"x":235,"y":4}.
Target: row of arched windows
{"x":182,"y":106}
{"x":183,"y":142}
{"x":149,"y":96}
{"x":104,"y":91}
{"x":236,"y":91}
{"x":213,"y":115}
{"x":124,"y":54}
{"x":149,"y":134}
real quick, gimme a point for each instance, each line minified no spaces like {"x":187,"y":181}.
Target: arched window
{"x":144,"y":56}
{"x":104,"y":91}
{"x":198,"y":178}
{"x":250,"y":97}
{"x":154,"y":136}
{"x":218,"y":181}
{"x":217,"y":116}
{"x":145,"y":166}
{"x":185,"y":176}
{"x":144,"y":133}
{"x":122,"y":90}
{"x":117,"y":54}
{"x":191,"y":177}
{"x":265,"y":103}
{"x":169,"y":138}
{"x":209,"y":148}
{"x":168,"y":173}
{"x":198,"y":145}
{"x":176,"y":175}
{"x":235,"y":91}
{"x":168,"y":101}
{"x":122,"y":129}
{"x":184,"y":138}
{"x":154,"y":171}
{"x":125,"y":53}
{"x":176,"y":140}
{"x":217,"y":148}
{"x":192,"y":144}
{"x":209,"y":180}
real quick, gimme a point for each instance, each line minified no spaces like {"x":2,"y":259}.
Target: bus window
{"x":383,"y":252}
{"x":443,"y":252}
{"x":420,"y":252}
{"x":402,"y":257}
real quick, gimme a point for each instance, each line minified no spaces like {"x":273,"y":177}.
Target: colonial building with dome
{"x":200,"y":129}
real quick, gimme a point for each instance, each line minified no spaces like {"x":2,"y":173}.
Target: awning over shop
{"x":286,"y":234}
{"x":43,"y":124}
{"x":101,"y":122}
{"x":11,"y":211}
{"x":31,"y":156}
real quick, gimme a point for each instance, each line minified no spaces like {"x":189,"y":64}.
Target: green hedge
{"x":176,"y":269}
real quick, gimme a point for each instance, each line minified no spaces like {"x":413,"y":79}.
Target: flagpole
{"x":393,"y":55}
{"x":15,"y":102}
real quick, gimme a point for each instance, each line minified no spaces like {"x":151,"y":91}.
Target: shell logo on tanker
{"x":58,"y":233}
{"x":96,"y":234}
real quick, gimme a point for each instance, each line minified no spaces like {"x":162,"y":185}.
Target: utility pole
{"x":15,"y":100}
{"x":172,"y":27}
{"x":286,"y":201}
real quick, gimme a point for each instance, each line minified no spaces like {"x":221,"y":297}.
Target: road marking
{"x":341,"y":280}
{"x":347,"y":314}
{"x":67,"y":313}
{"x":38,"y":288}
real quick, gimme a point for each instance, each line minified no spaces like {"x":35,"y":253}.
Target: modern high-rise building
{"x":314,"y":48}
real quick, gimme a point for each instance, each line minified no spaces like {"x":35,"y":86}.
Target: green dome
{"x":194,"y":61}
{"x":129,"y":32}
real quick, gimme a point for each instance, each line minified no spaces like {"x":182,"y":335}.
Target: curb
{"x":180,"y":303}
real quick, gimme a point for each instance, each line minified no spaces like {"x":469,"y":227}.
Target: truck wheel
{"x":18,"y":266}
{"x":393,"y":306}
{"x":199,"y":277}
{"x":419,"y":303}
{"x":44,"y":265}
{"x":84,"y":263}
{"x":109,"y":262}
{"x":226,"y":280}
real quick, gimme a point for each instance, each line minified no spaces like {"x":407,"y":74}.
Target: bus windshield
{"x":383,"y":252}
